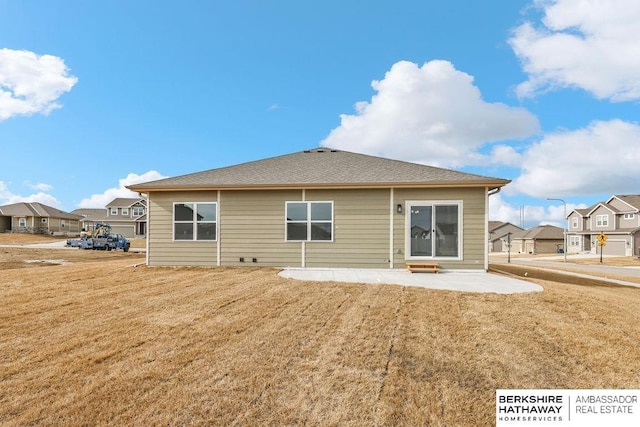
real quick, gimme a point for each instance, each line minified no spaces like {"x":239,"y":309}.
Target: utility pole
{"x":564,"y":231}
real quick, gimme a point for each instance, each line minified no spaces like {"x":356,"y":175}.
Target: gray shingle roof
{"x":91,"y":214}
{"x":321,"y":168}
{"x":541,"y":232}
{"x":633,"y":200}
{"x":35,"y":209}
{"x":123,"y":202}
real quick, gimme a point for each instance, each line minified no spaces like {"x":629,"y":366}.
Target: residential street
{"x":555,"y":262}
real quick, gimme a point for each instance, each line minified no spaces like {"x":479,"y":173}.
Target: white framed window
{"x":125,"y":211}
{"x":137,"y":211}
{"x":22,"y":222}
{"x":433,"y":229}
{"x":574,"y":222}
{"x":629,"y":216}
{"x":309,"y":221}
{"x":602,"y":220}
{"x":114,"y":211}
{"x":195,"y":221}
{"x":574,"y":241}
{"x":62,"y":223}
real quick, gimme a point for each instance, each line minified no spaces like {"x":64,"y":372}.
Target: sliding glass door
{"x":434,"y":229}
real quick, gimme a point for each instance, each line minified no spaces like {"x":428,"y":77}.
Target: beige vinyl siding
{"x":162,"y":249}
{"x":619,"y":204}
{"x":252,"y":225}
{"x":360,"y":230}
{"x":473,"y":223}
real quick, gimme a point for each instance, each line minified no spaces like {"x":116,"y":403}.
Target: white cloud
{"x":553,"y":213}
{"x":7,"y":197}
{"x":100,"y":200}
{"x":431,"y":114}
{"x":588,"y":44}
{"x":31,"y":83}
{"x":39,"y":186}
{"x":602,"y":158}
{"x":505,"y":155}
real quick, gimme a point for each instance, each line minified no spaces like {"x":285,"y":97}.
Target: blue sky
{"x":98,"y":95}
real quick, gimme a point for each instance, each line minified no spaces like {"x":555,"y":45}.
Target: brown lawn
{"x":27,"y":239}
{"x":98,"y":341}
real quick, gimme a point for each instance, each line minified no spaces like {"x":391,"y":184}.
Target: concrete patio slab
{"x":448,"y":280}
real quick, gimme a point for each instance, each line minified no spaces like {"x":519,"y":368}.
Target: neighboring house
{"x":618,"y":218}
{"x":126,"y":216}
{"x":37,"y":218}
{"x":499,"y":235}
{"x":543,"y":239}
{"x":320,"y":208}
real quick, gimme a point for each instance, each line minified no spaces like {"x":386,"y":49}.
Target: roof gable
{"x":124,"y":202}
{"x":541,"y":232}
{"x":496,"y":225}
{"x":604,"y":206}
{"x":323,"y":168}
{"x":632,"y":201}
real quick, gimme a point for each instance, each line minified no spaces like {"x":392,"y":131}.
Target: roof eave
{"x":493,"y":184}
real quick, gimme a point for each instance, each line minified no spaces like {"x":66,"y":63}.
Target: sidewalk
{"x":555,"y":263}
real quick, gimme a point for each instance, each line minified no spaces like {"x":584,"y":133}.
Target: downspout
{"x":486,"y":227}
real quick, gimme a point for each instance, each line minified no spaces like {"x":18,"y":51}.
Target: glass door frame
{"x":409,"y":204}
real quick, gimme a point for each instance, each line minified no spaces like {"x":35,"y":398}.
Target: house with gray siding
{"x":320,"y":208}
{"x":500,"y":234}
{"x":126,"y":216}
{"x":618,"y":218}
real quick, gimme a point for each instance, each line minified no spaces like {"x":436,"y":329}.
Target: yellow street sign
{"x":602,"y":239}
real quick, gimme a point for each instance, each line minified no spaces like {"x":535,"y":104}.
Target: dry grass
{"x":626,"y":261}
{"x":27,"y":239}
{"x":99,"y":342}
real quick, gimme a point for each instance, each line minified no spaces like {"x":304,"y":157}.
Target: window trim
{"x":433,"y":203}
{"x":309,"y":221}
{"x":629,"y":216}
{"x":125,"y":211}
{"x":602,"y":221}
{"x":114,"y":211}
{"x":139,"y":209}
{"x":574,"y":222}
{"x":194,"y":221}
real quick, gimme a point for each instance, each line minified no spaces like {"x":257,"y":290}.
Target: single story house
{"x":37,"y":218}
{"x":543,"y":239}
{"x":500,"y":234}
{"x":320,"y":208}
